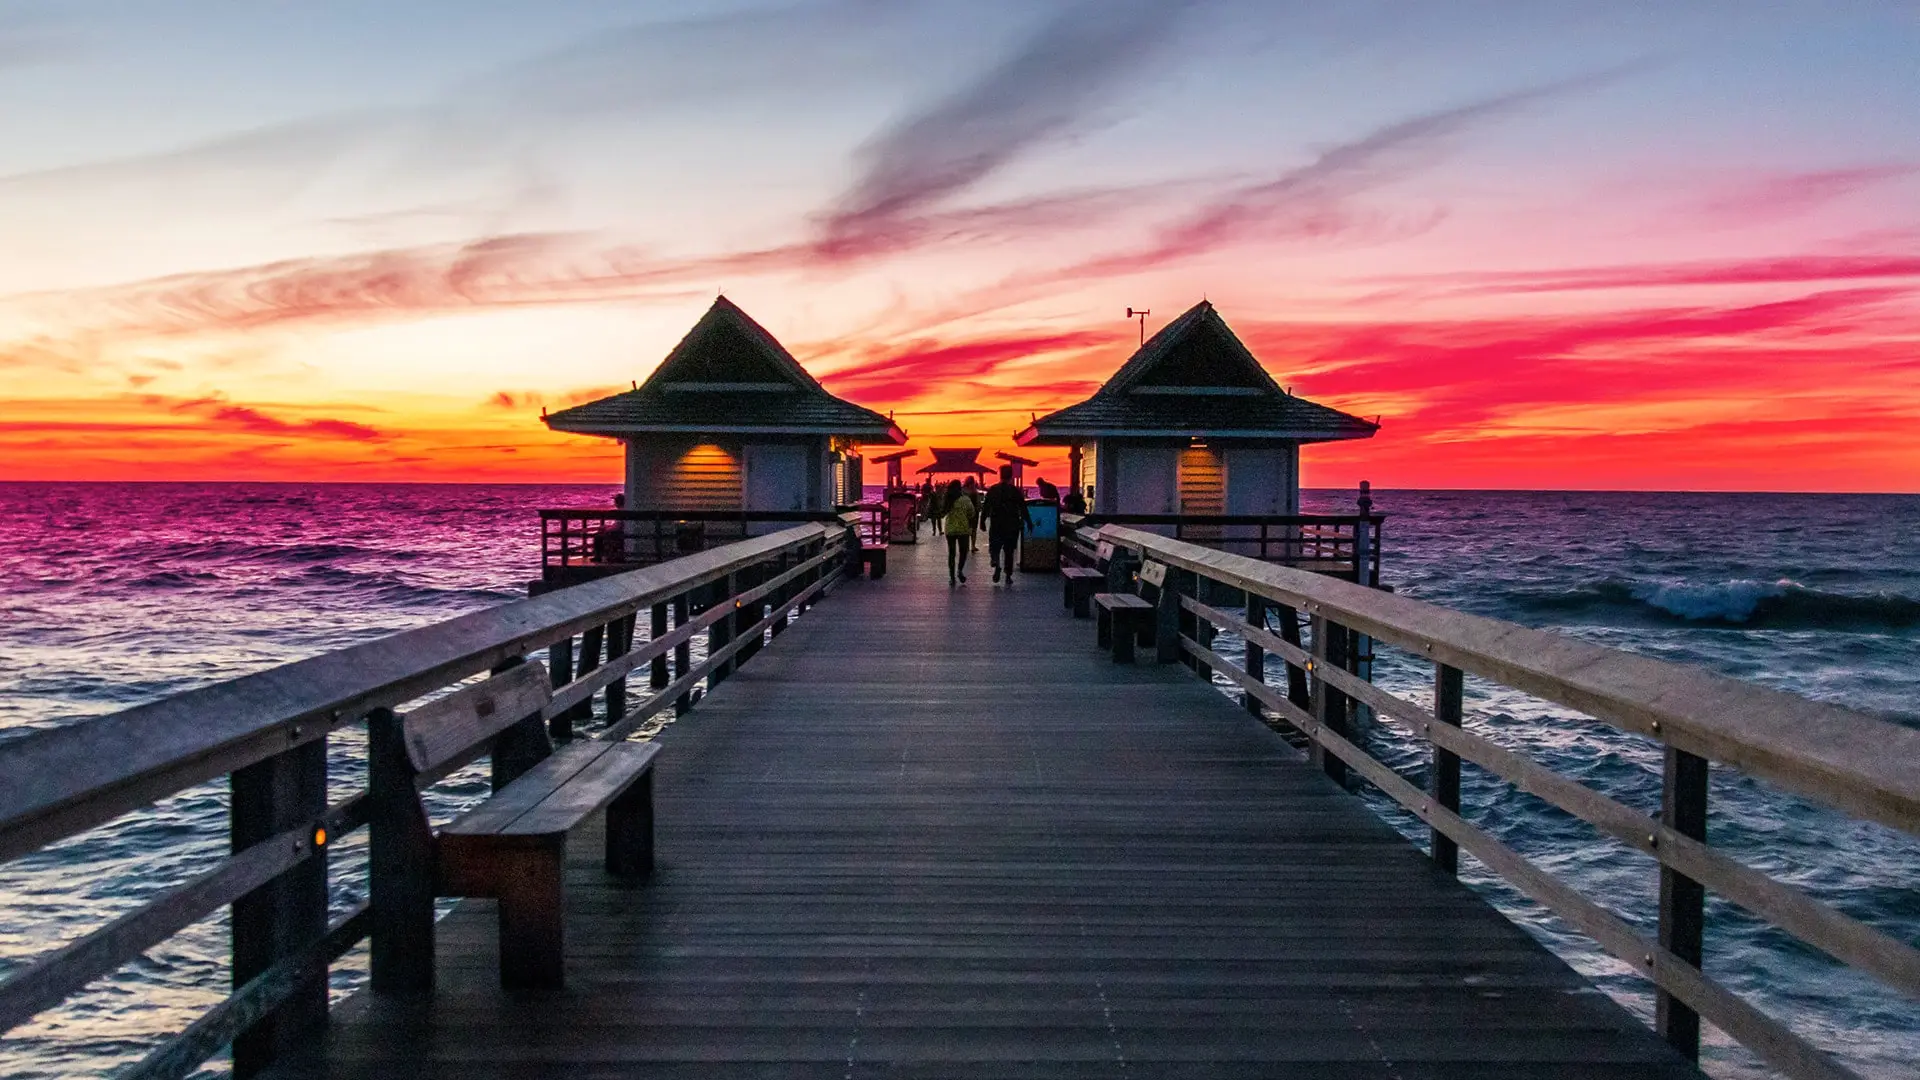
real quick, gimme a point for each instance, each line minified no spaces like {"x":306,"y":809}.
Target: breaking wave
{"x":1744,"y":603}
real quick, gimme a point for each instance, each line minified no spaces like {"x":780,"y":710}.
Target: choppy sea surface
{"x":116,"y":594}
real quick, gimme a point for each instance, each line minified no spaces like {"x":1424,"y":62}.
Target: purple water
{"x":116,"y":594}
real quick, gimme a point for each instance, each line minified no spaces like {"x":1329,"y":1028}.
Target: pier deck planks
{"x":933,"y":834}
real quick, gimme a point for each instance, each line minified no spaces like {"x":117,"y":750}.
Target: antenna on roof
{"x":635,"y":382}
{"x":1142,"y":316}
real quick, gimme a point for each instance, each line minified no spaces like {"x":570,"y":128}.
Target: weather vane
{"x":1142,"y":316}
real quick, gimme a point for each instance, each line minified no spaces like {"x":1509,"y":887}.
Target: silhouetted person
{"x":959,"y":519}
{"x":1075,"y":503}
{"x":609,"y":541}
{"x":1003,"y":513}
{"x":937,"y":508}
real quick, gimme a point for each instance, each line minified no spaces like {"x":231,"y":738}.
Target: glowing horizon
{"x":1552,"y":250}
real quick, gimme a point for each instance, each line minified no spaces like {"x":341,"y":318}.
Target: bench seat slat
{"x":1120,"y":600}
{"x":527,"y":791}
{"x":1081,"y":572}
{"x":587,"y":792}
{"x":557,"y":794}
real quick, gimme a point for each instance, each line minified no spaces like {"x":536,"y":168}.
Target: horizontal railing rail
{"x":1847,"y":760}
{"x":610,"y":539}
{"x":1344,"y":545}
{"x":268,"y":731}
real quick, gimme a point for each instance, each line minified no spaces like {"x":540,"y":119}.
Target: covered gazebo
{"x":730,"y":421}
{"x":956,"y":461}
{"x":1192,"y":424}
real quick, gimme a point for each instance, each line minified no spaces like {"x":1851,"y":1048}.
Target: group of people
{"x":960,"y":509}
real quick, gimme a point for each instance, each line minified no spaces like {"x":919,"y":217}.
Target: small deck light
{"x":319,"y":836}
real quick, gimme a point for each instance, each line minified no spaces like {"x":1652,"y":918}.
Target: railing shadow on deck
{"x":269,"y":731}
{"x":1850,"y":761}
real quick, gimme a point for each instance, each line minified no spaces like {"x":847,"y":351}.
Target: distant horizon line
{"x":1376,"y":489}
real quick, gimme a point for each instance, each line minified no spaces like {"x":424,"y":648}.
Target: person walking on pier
{"x":959,"y":522}
{"x":1003,"y":514}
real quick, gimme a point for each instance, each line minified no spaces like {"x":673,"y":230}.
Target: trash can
{"x":1040,"y":545}
{"x":902,"y":526}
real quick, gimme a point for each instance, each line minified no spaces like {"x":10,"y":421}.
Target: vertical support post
{"x":1297,"y":691}
{"x":1256,"y":656}
{"x":619,"y":643}
{"x":1683,"y":808}
{"x":560,"y":673}
{"x":288,"y":914}
{"x":721,"y":632}
{"x":1329,"y":704}
{"x":657,"y":629}
{"x":683,"y":652}
{"x":747,"y":615}
{"x":1449,"y":706}
{"x":591,"y":642}
{"x":1169,"y":615}
{"x":400,"y":876}
{"x":1363,"y":536}
{"x":778,"y":598}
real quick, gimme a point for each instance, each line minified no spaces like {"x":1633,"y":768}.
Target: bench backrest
{"x":448,"y":731}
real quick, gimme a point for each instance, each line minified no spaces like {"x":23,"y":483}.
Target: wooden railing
{"x":576,"y":543}
{"x":1853,"y":762}
{"x":269,"y":731}
{"x":1345,"y":546}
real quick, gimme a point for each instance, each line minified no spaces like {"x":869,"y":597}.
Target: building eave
{"x":890,"y":434}
{"x":1033,"y":436}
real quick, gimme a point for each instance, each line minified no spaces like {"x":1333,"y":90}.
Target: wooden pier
{"x":936,"y":832}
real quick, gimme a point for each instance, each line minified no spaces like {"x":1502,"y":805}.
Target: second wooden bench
{"x":512,"y":847}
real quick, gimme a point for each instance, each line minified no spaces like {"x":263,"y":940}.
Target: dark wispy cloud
{"x":1315,"y":199}
{"x":1046,"y":88}
{"x":220,"y":413}
{"x":1778,"y":270}
{"x":1778,"y":196}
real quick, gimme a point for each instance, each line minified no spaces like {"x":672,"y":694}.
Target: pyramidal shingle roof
{"x":727,"y":375}
{"x":1194,"y":378}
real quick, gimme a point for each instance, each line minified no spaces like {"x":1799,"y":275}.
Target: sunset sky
{"x":1552,"y":245}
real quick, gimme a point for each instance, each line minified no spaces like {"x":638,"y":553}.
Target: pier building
{"x":730,"y":436}
{"x":1192,"y":424}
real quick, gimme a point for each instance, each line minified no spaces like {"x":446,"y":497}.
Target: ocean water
{"x":112,"y":595}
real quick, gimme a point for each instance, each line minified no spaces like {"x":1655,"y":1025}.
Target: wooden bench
{"x":1079,"y":583}
{"x":1123,"y":619}
{"x":511,"y":847}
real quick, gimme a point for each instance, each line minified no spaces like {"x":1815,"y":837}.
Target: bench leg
{"x":1082,"y":600}
{"x":531,"y":886}
{"x":1103,"y":628}
{"x":630,"y":831}
{"x":1123,"y":634}
{"x":1066,"y":591}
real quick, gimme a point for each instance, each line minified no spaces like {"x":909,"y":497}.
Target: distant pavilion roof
{"x":947,"y":459}
{"x":728,"y":375}
{"x":1194,"y":379}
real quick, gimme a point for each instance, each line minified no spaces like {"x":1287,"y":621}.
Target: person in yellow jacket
{"x":959,"y":522}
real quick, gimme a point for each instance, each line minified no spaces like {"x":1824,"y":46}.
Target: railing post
{"x":288,"y":914}
{"x":1363,"y":535}
{"x":779,"y":596}
{"x":746,"y":616}
{"x":1449,"y":706}
{"x":560,"y":673}
{"x":1297,"y":692}
{"x":657,"y":629}
{"x":619,"y":643}
{"x":1256,"y":656}
{"x":1329,"y":703}
{"x":1170,"y":617}
{"x":720,"y":633}
{"x":1683,"y":808}
{"x":682,"y":653}
{"x":592,"y":641}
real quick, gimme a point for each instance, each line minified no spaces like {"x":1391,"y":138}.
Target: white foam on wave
{"x":1726,"y":601}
